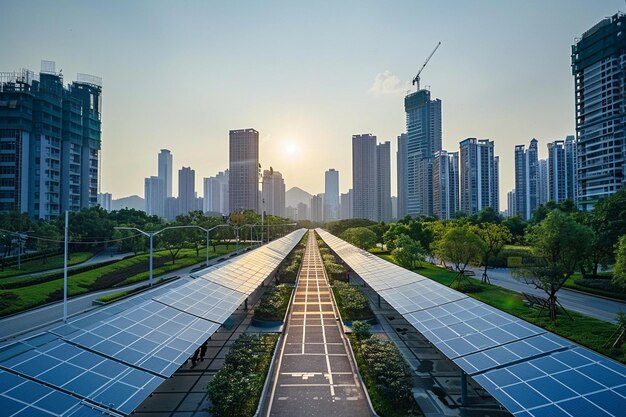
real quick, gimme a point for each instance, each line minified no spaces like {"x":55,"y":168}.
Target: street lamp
{"x":151,"y":235}
{"x":207,"y":237}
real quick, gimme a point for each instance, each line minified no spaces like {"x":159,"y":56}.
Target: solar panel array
{"x":530,"y":371}
{"x":110,"y":361}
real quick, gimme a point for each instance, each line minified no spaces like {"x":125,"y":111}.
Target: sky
{"x":306,"y":74}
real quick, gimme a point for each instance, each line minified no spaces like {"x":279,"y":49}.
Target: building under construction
{"x":49,"y":142}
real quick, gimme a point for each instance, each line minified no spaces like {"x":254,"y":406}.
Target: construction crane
{"x":417,"y":77}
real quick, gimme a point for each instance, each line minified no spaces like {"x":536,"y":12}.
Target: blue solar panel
{"x":25,"y":398}
{"x":65,"y":366}
{"x":574,"y":381}
{"x":204,"y":299}
{"x":152,"y":336}
{"x":531,"y":372}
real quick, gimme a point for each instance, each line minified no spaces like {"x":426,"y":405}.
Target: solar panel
{"x":532,"y":372}
{"x":573,"y":382}
{"x":419,"y":295}
{"x":204,"y":299}
{"x":86,"y":374}
{"x":152,"y":336}
{"x":20,"y":397}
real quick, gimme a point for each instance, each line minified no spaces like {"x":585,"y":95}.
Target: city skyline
{"x":307,"y":99}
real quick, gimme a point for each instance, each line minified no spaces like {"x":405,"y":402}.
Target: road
{"x":590,"y":305}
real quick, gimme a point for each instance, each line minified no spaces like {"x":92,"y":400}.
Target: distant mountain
{"x":133,"y":201}
{"x":296,"y":195}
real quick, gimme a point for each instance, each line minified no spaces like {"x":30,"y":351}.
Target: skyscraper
{"x":543,"y":185}
{"x":445,"y":184}
{"x":364,"y":176}
{"x":511,"y":203}
{"x":479,"y":179}
{"x":527,"y":179}
{"x":153,"y":196}
{"x":331,"y":195}
{"x":383,"y":177}
{"x":50,"y":138}
{"x":561,"y":170}
{"x":598,"y":67}
{"x":273,"y":193}
{"x":243,"y":184}
{"x":401,"y":174}
{"x":317,"y":208}
{"x":216,"y":193}
{"x":165,"y":171}
{"x":423,"y":125}
{"x":187,"y":190}
{"x":346,"y":205}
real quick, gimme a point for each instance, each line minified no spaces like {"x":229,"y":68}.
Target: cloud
{"x":388,"y":83}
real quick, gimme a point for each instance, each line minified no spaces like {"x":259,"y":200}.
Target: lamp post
{"x":151,"y":235}
{"x":207,"y":238}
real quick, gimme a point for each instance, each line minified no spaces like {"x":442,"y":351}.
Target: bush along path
{"x":387,"y":376}
{"x":236,"y":388}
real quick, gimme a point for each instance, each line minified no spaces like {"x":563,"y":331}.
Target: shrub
{"x":236,"y":388}
{"x":388,"y":368}
{"x":351,"y":302}
{"x":274,"y":303}
{"x":361,"y":329}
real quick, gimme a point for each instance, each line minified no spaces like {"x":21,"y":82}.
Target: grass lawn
{"x":53,"y":262}
{"x":19,"y":299}
{"x":587,"y":331}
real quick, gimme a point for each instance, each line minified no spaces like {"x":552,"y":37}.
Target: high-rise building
{"x":331,"y":195}
{"x":346,"y":205}
{"x":50,"y":139}
{"x":401,"y":174}
{"x":383,"y":178}
{"x":527,"y":179}
{"x":423,"y":126}
{"x":394,"y":207}
{"x":561,"y":170}
{"x":216,"y":193}
{"x":273,"y":193}
{"x":187,"y":190}
{"x":303,"y":211}
{"x":166,"y":162}
{"x":511,"y":201}
{"x":317,"y":208}
{"x":598,"y":67}
{"x":364,"y":181}
{"x":153,"y":197}
{"x":543,"y":186}
{"x":479,"y":179}
{"x":105,"y":200}
{"x":445,"y":184}
{"x":243,"y":184}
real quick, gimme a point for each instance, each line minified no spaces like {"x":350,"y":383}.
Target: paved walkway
{"x":315,"y":375}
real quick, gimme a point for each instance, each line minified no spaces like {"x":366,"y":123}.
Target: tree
{"x":494,"y":237}
{"x":558,"y":244}
{"x":487,"y":215}
{"x":459,"y":246}
{"x":380,"y":229}
{"x":174,"y":240}
{"x":361,"y":237}
{"x":407,"y":251}
{"x":619,"y":269}
{"x":340,"y":226}
{"x":608,"y":221}
{"x":47,"y":239}
{"x":517,"y":227}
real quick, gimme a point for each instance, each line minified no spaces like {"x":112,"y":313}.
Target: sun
{"x":291,"y":149}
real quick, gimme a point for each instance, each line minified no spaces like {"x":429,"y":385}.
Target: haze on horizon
{"x":306,"y":75}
